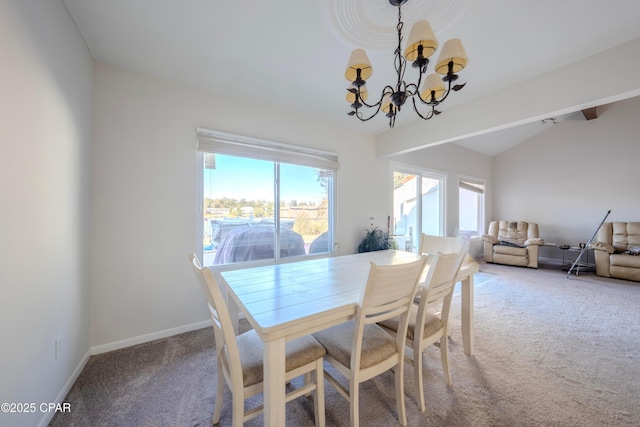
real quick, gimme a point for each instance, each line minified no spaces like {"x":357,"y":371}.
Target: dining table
{"x":285,"y":301}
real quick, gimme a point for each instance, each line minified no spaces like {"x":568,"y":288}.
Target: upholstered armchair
{"x":617,"y":250}
{"x":512,"y":243}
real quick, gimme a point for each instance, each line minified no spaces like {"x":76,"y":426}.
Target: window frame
{"x":481,"y":208}
{"x":278,"y":153}
{"x":422,"y":173}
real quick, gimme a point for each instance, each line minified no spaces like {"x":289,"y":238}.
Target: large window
{"x":264,"y":201}
{"x":418,"y":206}
{"x":471,"y":207}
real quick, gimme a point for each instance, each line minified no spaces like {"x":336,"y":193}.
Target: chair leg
{"x":318,"y":401}
{"x":238,"y":409}
{"x":308,"y":379}
{"x":444,"y":357}
{"x":418,"y":380}
{"x":217,"y":412}
{"x":354,"y":400}
{"x":399,"y":380}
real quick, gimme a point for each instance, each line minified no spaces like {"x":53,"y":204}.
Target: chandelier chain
{"x":400,"y":61}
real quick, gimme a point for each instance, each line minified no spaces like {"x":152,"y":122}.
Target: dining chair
{"x":240,"y":359}
{"x":360,"y":349}
{"x":430,"y":244}
{"x":429,"y":318}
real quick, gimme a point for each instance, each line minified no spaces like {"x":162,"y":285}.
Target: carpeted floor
{"x":549,"y":351}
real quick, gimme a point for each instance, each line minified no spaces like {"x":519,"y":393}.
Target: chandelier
{"x":422,"y":43}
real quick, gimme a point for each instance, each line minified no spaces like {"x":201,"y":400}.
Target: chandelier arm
{"x":446,"y":94}
{"x":358,"y":114}
{"x":451,"y":77}
{"x":420,"y":73}
{"x":378,"y":105}
{"x":415,"y":108}
{"x":412,"y":89}
{"x":387,"y":89}
{"x":434,"y":102}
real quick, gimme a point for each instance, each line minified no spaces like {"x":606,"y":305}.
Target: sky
{"x":237,"y":178}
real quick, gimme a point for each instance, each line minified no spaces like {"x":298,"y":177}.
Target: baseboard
{"x":116,"y":345}
{"x":48,"y":415}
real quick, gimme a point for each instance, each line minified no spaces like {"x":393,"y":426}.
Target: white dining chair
{"x":429,"y":318}
{"x":430,"y":244}
{"x":360,"y":349}
{"x":240,"y":359}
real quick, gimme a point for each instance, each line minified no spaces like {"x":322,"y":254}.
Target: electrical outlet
{"x":58,"y":348}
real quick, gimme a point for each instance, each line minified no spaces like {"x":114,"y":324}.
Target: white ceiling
{"x":290,"y":55}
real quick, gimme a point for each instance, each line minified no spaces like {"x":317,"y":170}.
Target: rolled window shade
{"x":210,"y":141}
{"x":476,"y":187}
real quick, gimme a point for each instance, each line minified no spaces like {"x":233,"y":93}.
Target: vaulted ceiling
{"x":291,"y":55}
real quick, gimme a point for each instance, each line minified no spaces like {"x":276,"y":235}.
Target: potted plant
{"x":376,"y":240}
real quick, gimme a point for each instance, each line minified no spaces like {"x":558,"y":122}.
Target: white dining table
{"x":289,"y":300}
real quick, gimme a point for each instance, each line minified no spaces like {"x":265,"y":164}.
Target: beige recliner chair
{"x":617,"y":250}
{"x":512,"y":243}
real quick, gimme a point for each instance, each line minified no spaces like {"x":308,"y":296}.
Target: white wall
{"x":144,"y":195}
{"x":45,"y":122}
{"x":569,"y":176}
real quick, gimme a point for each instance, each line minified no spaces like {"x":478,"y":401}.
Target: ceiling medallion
{"x":371,"y":24}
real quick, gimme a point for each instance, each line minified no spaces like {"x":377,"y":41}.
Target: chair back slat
{"x":430,"y":245}
{"x":388,"y":289}
{"x":442,"y":273}
{"x":440,"y":282}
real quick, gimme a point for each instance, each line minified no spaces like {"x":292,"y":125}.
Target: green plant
{"x":376,"y":240}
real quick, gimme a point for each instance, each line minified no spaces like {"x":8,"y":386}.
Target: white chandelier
{"x":421,"y":45}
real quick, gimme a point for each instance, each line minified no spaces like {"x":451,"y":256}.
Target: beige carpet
{"x":550,"y":351}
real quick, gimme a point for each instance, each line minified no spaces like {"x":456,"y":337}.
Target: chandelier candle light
{"x":421,"y":45}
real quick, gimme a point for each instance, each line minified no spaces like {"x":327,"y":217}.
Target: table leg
{"x":274,"y":383}
{"x":234,"y":313}
{"x":467,"y":314}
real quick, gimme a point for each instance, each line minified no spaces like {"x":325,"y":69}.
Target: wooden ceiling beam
{"x":590,"y":113}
